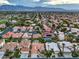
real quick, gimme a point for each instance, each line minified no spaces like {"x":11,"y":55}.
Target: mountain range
{"x":24,"y":8}
{"x":56,"y":8}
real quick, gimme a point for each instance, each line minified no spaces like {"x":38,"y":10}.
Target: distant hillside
{"x":23,"y":8}
{"x":74,"y":7}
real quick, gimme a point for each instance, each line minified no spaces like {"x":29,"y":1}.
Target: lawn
{"x":3,"y":21}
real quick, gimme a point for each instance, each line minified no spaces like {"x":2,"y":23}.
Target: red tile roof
{"x":37,"y":36}
{"x":17,"y":35}
{"x":7,"y":35}
{"x":47,"y":29}
{"x":35,"y":47}
{"x":10,"y":45}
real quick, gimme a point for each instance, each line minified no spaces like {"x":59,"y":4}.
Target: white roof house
{"x":13,"y":21}
{"x":1,"y":54}
{"x":2,"y":42}
{"x":61,"y":35}
{"x":15,"y":29}
{"x":74,"y":30}
{"x":2,"y":25}
{"x":67,"y":44}
{"x":67,"y":28}
{"x":24,"y":55}
{"x":34,"y":56}
{"x":67,"y":51}
{"x":53,"y":46}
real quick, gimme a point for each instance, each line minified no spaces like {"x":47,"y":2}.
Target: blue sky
{"x":34,"y":3}
{"x":31,"y":3}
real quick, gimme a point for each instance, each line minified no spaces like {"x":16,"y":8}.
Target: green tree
{"x":77,"y":38}
{"x":8,"y":53}
{"x":70,"y":37}
{"x":17,"y":53}
{"x":47,"y":53}
{"x":74,"y":53}
{"x":44,"y":42}
{"x":61,"y":52}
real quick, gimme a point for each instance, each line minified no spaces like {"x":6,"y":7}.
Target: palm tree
{"x":22,"y":36}
{"x":77,"y":38}
{"x":74,"y":46}
{"x":47,"y":53}
{"x":16,"y":53}
{"x":60,"y":53}
{"x":30,"y":49}
{"x":53,"y":53}
{"x":11,"y":18}
{"x":41,"y":27}
{"x":31,"y":43}
{"x":63,"y":46}
{"x":74,"y":53}
{"x":41,"y":40}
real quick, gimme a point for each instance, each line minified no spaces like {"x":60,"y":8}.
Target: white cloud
{"x":3,"y":2}
{"x":54,"y":2}
{"x":36,"y":0}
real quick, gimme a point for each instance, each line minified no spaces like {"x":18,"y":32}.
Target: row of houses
{"x":61,"y":35}
{"x":21,"y":35}
{"x":22,"y":32}
{"x":25,"y":47}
